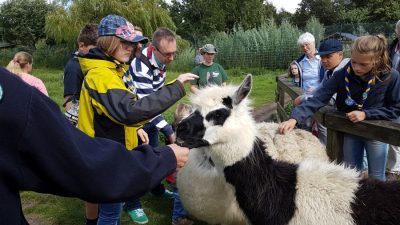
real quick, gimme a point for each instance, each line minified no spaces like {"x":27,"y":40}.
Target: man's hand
{"x":181,"y":154}
{"x":287,"y":126}
{"x":356,"y":116}
{"x":143,"y":136}
{"x":183,"y":78}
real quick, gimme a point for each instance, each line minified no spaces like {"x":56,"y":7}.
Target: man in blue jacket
{"x":40,"y":151}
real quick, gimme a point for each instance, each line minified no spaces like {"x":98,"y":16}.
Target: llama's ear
{"x":243,"y":90}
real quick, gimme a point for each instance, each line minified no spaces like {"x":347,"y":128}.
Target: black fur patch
{"x":227,"y":102}
{"x":218,"y":116}
{"x":265,"y":188}
{"x":377,"y":203}
{"x":190,"y":131}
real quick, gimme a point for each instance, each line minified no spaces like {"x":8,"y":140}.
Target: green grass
{"x":46,"y":209}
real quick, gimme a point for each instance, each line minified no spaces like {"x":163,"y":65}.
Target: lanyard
{"x":349,"y":100}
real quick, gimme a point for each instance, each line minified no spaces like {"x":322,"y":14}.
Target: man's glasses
{"x":166,"y":55}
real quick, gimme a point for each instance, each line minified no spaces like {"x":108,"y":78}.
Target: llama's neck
{"x":232,"y":142}
{"x":259,"y":180}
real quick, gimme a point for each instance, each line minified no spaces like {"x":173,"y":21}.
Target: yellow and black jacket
{"x":107,"y":108}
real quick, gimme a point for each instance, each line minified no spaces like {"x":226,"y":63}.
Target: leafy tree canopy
{"x":23,"y":21}
{"x":331,"y":12}
{"x":147,"y":14}
{"x":196,"y":19}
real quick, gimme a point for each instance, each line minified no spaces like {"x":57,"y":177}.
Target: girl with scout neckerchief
{"x":366,"y":88}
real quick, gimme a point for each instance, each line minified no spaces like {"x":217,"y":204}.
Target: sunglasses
{"x":166,"y":55}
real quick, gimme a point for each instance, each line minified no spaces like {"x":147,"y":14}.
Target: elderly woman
{"x":209,"y":72}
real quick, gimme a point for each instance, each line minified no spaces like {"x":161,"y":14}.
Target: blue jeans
{"x":178,"y":211}
{"x":353,"y":153}
{"x":152,"y":133}
{"x":109,"y":214}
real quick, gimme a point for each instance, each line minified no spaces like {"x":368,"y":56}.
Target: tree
{"x":23,"y":21}
{"x":283,"y":16}
{"x":147,"y":14}
{"x":197,"y":19}
{"x":324,"y":10}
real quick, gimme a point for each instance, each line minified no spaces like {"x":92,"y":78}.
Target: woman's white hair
{"x":305,"y":38}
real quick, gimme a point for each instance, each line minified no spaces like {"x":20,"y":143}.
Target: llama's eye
{"x":218,"y":116}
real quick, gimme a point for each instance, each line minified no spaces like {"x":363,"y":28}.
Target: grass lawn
{"x":46,"y":209}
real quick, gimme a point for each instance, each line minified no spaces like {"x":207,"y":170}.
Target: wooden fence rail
{"x":336,"y":122}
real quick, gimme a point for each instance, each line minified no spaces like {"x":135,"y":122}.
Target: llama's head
{"x":221,"y":119}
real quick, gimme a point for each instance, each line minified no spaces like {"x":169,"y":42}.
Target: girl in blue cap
{"x":366,"y":88}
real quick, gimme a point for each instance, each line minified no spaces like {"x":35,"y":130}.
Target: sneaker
{"x":182,"y":221}
{"x":168,"y":194}
{"x":138,"y":216}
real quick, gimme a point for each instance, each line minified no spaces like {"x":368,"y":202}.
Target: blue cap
{"x":113,"y":25}
{"x":329,"y":46}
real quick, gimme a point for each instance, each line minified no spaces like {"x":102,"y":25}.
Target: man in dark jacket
{"x":40,"y":151}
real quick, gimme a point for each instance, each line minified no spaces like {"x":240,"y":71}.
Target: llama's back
{"x":293,"y":147}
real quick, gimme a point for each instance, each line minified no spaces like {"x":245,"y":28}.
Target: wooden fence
{"x":336,"y":122}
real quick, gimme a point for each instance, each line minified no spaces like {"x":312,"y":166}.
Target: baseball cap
{"x":329,"y":46}
{"x":113,"y":25}
{"x":209,"y":48}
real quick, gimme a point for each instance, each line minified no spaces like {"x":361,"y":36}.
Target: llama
{"x":218,"y":204}
{"x":269,"y":191}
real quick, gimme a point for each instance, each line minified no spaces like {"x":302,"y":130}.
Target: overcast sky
{"x":288,"y":5}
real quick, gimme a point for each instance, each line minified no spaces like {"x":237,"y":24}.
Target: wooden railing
{"x":336,"y":122}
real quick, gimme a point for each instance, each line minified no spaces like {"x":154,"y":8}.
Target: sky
{"x":288,"y":5}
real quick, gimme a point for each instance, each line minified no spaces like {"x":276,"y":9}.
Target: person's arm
{"x":42,"y":152}
{"x":122,"y":106}
{"x":164,"y":127}
{"x":390,"y":110}
{"x":73,"y":79}
{"x":194,"y":84}
{"x":40,"y":86}
{"x":307,"y":108}
{"x":224,"y":75}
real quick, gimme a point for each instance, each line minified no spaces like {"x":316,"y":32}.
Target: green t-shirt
{"x":213,"y":74}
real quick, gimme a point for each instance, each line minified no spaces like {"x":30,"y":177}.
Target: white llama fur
{"x":204,"y":191}
{"x":324,"y":191}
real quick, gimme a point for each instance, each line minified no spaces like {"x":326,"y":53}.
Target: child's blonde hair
{"x":375,"y":45}
{"x":19,"y":62}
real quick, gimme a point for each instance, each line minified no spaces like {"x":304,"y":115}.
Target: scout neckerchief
{"x":349,"y":100}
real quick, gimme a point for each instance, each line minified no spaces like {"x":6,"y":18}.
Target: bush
{"x":6,"y":54}
{"x":184,"y":61}
{"x":50,"y":56}
{"x":43,"y":56}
